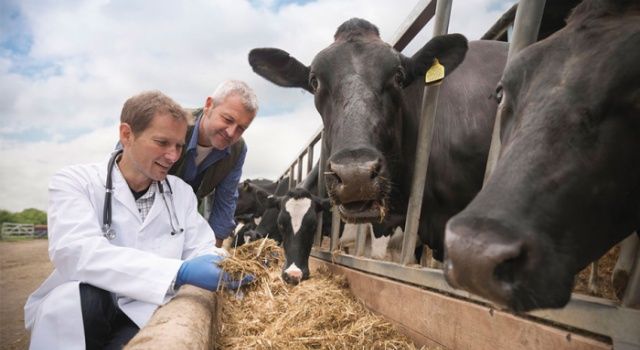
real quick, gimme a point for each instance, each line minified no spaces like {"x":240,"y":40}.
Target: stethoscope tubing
{"x":107,"y":231}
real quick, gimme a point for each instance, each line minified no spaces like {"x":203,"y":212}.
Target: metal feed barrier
{"x":595,"y":316}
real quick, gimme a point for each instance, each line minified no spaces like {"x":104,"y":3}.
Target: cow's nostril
{"x":331,"y":175}
{"x":375,"y":169}
{"x":507,"y":270}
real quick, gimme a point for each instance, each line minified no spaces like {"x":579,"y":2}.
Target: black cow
{"x":369,"y":97}
{"x":566,"y":187}
{"x":248,"y":206}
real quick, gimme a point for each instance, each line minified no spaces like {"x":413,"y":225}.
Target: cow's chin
{"x":362,"y":211}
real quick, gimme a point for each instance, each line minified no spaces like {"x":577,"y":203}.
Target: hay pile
{"x":319,"y":313}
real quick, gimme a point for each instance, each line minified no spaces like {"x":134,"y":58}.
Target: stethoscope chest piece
{"x":109,"y":233}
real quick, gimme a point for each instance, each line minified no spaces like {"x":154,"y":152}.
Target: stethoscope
{"x":108,"y":232}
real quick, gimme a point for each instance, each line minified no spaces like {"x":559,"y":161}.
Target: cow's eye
{"x":400,"y":77}
{"x":313,"y":83}
{"x":498,"y":93}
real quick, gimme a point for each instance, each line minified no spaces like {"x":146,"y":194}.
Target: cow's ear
{"x":272,"y":202}
{"x":279,"y":67}
{"x":448,"y":49}
{"x":321,"y":203}
{"x":262,"y":196}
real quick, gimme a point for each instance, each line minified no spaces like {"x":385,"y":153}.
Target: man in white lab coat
{"x":117,"y":260}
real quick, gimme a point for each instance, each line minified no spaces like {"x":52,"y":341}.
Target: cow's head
{"x":297,"y":223}
{"x":358,"y":83}
{"x":249,"y":203}
{"x":566,"y":187}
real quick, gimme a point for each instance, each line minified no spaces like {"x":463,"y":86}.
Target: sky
{"x":67,"y":66}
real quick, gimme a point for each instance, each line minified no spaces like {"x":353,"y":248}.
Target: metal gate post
{"x":525,"y":32}
{"x":425,"y":135}
{"x":322,"y":191}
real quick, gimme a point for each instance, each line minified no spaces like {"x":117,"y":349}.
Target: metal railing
{"x":10,"y":229}
{"x":592,"y":315}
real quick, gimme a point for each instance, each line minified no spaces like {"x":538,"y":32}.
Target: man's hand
{"x":204,"y":272}
{"x":219,"y":242}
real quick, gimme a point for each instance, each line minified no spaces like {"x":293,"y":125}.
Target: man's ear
{"x":209,"y":104}
{"x":126,"y":134}
{"x":449,"y":50}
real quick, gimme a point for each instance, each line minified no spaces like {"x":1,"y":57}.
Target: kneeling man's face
{"x":154,"y":150}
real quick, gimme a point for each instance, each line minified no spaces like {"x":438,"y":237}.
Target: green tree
{"x":6,"y":216}
{"x":27,"y":216}
{"x":32,"y":216}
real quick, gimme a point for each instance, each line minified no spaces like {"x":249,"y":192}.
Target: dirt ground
{"x":23,"y":266}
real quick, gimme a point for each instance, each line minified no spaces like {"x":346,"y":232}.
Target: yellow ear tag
{"x":435,"y":74}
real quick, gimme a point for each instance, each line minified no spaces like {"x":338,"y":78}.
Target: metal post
{"x":423,"y":149}
{"x":525,"y":32}
{"x":335,"y":228}
{"x":310,"y":158}
{"x":361,"y":238}
{"x":292,"y":179}
{"x":321,"y":190}
{"x":300,"y":165}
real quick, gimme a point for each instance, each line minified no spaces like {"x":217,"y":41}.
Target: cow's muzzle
{"x":486,"y":258}
{"x":357,"y":184}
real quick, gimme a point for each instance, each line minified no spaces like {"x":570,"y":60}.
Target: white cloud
{"x":101,"y":52}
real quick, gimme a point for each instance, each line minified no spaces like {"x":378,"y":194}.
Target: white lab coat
{"x":139,"y":265}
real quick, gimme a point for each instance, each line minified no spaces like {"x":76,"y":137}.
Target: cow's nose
{"x":293,"y":274}
{"x":483,"y":258}
{"x":352,"y":175}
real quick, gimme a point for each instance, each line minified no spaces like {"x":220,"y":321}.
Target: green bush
{"x":27,"y":216}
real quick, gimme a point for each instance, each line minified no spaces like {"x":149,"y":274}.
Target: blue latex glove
{"x":204,"y":272}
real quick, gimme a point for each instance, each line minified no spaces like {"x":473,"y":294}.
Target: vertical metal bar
{"x":292,"y":180}
{"x":423,"y":149}
{"x":361,"y":238}
{"x":310,"y":158}
{"x":300,"y":165}
{"x":526,"y":25}
{"x":335,"y":228}
{"x":525,"y":32}
{"x":321,"y":189}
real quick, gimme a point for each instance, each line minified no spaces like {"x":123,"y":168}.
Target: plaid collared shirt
{"x":145,"y":202}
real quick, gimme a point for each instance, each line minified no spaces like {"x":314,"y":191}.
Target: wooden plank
{"x":433,"y":319}
{"x":189,"y":321}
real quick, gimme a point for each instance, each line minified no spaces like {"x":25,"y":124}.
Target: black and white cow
{"x":297,"y":222}
{"x":369,"y":97}
{"x":566,"y":187}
